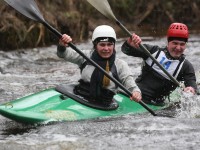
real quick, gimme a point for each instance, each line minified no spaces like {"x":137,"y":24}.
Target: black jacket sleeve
{"x":188,"y":75}
{"x":138,"y":52}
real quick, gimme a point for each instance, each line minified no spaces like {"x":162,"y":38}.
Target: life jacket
{"x":173,"y":67}
{"x":83,"y":88}
{"x":151,"y":74}
{"x":113,"y":71}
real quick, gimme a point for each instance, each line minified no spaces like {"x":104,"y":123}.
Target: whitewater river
{"x":23,"y":72}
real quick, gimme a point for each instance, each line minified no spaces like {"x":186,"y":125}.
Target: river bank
{"x":78,"y":19}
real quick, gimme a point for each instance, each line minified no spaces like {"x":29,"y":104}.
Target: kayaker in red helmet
{"x":94,"y":84}
{"x":154,"y":84}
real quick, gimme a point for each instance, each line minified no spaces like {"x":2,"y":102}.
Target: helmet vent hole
{"x":178,"y":30}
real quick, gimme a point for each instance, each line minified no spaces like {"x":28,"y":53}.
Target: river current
{"x":23,"y":72}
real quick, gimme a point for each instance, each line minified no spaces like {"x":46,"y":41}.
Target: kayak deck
{"x":48,"y":106}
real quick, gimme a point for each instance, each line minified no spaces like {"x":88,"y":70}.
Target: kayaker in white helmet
{"x":93,"y":83}
{"x":154,"y":84}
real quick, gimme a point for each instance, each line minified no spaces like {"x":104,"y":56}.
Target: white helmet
{"x":104,"y":31}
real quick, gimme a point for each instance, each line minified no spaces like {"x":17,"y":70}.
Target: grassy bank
{"x":78,"y":19}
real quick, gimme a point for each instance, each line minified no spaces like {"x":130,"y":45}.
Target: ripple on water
{"x":28,"y":71}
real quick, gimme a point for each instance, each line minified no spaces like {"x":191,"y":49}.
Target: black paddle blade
{"x":26,"y":7}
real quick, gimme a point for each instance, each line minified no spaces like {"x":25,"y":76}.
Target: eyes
{"x":103,"y":44}
{"x":178,"y":43}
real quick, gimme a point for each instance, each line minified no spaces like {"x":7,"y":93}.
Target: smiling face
{"x":176,"y":48}
{"x":105,"y":49}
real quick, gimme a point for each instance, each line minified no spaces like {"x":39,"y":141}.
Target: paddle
{"x":30,"y":10}
{"x":104,"y":7}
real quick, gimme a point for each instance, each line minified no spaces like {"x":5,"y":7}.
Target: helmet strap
{"x":104,"y":39}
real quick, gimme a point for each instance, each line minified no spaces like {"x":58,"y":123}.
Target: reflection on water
{"x":28,"y":71}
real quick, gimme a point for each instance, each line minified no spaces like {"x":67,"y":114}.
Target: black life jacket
{"x":83,"y":88}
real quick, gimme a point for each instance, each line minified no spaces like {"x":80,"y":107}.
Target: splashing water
{"x":189,"y":106}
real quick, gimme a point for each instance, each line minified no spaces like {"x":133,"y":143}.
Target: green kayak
{"x":60,"y":104}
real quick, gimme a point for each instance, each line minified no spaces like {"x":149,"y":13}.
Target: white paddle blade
{"x":103,"y":7}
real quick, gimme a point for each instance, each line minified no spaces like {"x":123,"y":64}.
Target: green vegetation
{"x":78,"y":19}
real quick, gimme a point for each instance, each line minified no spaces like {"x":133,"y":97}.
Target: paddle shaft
{"x":149,"y":54}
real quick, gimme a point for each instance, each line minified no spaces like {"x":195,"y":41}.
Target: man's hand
{"x":189,"y":89}
{"x":134,"y":41}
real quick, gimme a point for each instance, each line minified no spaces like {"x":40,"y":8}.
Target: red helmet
{"x":178,"y":30}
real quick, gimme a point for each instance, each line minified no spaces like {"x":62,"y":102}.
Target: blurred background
{"x":78,"y":19}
